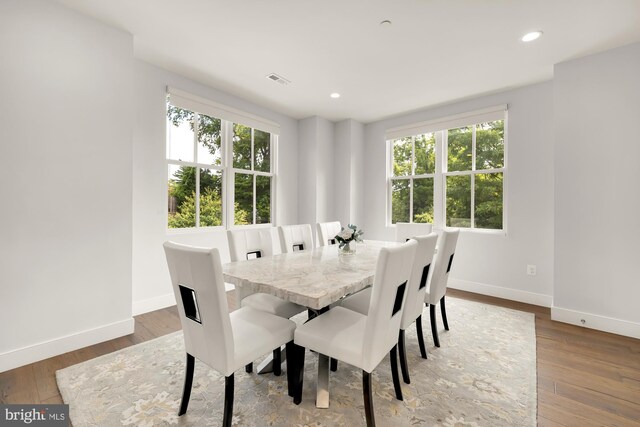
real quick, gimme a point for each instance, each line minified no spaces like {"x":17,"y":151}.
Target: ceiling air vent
{"x":278,"y":79}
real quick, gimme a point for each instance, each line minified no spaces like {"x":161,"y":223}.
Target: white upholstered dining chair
{"x":245,"y":244}
{"x":295,"y":237}
{"x":224,"y":341}
{"x":406,"y":230}
{"x":326,"y":232}
{"x":357,"y":339}
{"x":415,"y":297}
{"x":438,"y":284}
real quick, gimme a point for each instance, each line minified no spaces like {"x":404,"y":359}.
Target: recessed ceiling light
{"x":385,"y":23}
{"x":335,"y":95}
{"x":529,"y":37}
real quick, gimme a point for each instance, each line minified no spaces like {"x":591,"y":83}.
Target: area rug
{"x":484,"y":374}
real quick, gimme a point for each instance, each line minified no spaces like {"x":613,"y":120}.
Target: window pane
{"x":180,"y":138}
{"x":182,"y":196}
{"x":241,"y":147}
{"x":263,"y":199}
{"x":243,"y":199}
{"x":399,"y":200}
{"x":210,"y":197}
{"x":209,"y":140}
{"x":425,"y":152}
{"x":490,"y":145}
{"x":402,"y":156}
{"x":488,"y":200}
{"x":423,"y":200}
{"x":459,"y":201}
{"x":261,"y":151}
{"x":459,"y":149}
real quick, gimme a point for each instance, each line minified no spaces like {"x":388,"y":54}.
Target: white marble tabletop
{"x":313,"y":278}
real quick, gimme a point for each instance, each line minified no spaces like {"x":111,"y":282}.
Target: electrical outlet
{"x":531,"y":270}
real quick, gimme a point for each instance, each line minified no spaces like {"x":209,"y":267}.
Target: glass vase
{"x":348,"y":249}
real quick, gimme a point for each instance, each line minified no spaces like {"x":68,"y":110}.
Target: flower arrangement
{"x":348,"y":235}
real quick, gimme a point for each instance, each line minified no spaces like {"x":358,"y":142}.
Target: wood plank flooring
{"x":585,"y":377}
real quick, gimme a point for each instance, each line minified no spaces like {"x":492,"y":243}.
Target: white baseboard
{"x":500,"y":292}
{"x":593,"y":321}
{"x":34,"y":353}
{"x":152,"y":304}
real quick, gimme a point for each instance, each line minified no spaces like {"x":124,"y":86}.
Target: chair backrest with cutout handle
{"x":198,"y":285}
{"x":388,"y":297}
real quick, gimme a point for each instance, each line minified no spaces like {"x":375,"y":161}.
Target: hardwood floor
{"x":585,"y":377}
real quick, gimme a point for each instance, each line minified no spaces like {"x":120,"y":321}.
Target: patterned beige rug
{"x":484,"y":374}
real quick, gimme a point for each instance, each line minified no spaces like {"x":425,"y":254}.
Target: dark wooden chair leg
{"x":299,"y":374}
{"x":434,"y":327}
{"x":277,"y":362}
{"x":368,"y":399}
{"x":291,"y":368}
{"x":249,"y":368}
{"x":334,"y":364}
{"x":188,"y":382}
{"x":423,"y":349}
{"x":443,"y":310}
{"x":228,"y":401}
{"x":393,"y":357}
{"x":403,"y":358}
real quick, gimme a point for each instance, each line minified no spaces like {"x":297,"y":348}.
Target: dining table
{"x":315,"y":278}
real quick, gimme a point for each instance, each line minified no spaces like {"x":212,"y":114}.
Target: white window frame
{"x":197,"y":165}
{"x":411,"y":177}
{"x":226,"y":168}
{"x":231,"y":181}
{"x":439,"y":128}
{"x":472,"y":173}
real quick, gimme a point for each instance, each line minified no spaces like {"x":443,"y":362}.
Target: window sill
{"x":464,"y":230}
{"x":479,"y":231}
{"x":249,"y":226}
{"x":177,"y":231}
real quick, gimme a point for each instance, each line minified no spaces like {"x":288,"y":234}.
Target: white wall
{"x":65,"y":180}
{"x":348,"y":171}
{"x":316,"y":170}
{"x":342,"y":184}
{"x":324,"y":172}
{"x":331,"y":170}
{"x":151,"y":285}
{"x":357,"y":167}
{"x":597,"y":199}
{"x":490,"y":263}
{"x":307,"y":166}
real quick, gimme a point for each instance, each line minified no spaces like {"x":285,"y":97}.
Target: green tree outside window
{"x":412,"y":158}
{"x":472,"y":176}
{"x":251,"y":151}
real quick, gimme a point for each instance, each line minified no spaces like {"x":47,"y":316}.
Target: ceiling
{"x":434,"y":52}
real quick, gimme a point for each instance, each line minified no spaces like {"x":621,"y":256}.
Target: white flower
{"x":346,"y":233}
